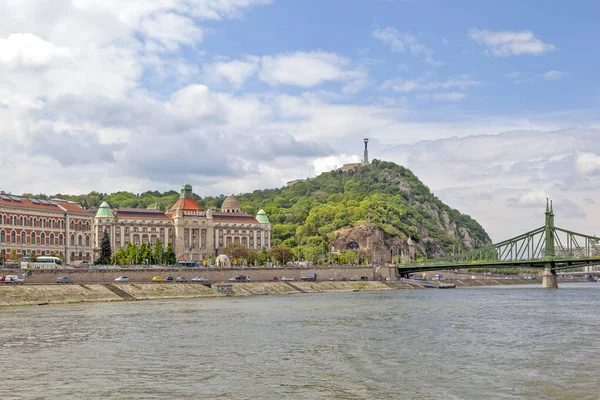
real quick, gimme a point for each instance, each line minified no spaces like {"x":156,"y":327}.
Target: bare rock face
{"x":370,"y":240}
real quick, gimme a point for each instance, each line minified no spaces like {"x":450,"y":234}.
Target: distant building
{"x":194,"y":234}
{"x":38,"y":227}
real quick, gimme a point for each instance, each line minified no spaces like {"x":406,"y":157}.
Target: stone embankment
{"x":12,"y":295}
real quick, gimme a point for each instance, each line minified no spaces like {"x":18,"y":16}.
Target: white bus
{"x":46,"y":262}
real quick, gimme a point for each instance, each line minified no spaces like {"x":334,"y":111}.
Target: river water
{"x":476,"y":343}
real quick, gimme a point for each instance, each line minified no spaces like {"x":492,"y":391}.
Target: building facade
{"x":194,"y":234}
{"x":45,"y":227}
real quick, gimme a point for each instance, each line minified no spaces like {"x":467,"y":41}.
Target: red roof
{"x":142,"y":213}
{"x":185,"y":204}
{"x":50,"y":205}
{"x":234,"y":217}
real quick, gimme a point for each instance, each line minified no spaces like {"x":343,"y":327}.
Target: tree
{"x":236,"y":251}
{"x":105,"y":250}
{"x":281,"y":254}
{"x":169,"y":256}
{"x":263,"y":256}
{"x":252,"y":256}
{"x":13,"y":255}
{"x":131,"y":252}
{"x":157,"y":252}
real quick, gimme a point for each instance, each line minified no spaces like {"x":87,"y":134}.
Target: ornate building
{"x":44,"y":227}
{"x":194,"y":234}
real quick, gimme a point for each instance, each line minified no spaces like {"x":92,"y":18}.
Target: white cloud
{"x":401,"y":41}
{"x":306,"y":69}
{"x":168,"y":30}
{"x":235,"y":71}
{"x":553,"y":75}
{"x":588,"y":163}
{"x":509,"y":43}
{"x":532,"y":198}
{"x":20,"y":50}
{"x":449,"y":96}
{"x":407,"y":86}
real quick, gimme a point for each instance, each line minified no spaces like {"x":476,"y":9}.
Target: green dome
{"x":186,"y":191}
{"x":262,"y":217}
{"x":104,"y":211}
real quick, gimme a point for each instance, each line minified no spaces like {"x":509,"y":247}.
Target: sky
{"x":493,"y":105}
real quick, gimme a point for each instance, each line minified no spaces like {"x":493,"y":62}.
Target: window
{"x":52,"y":239}
{"x":72,"y":240}
{"x":117,"y":230}
{"x":32,"y":240}
{"x":72,"y":225}
{"x":43,"y":221}
{"x":42,"y":238}
{"x":3,"y":219}
{"x":2,"y":236}
{"x":87,"y":240}
{"x":21,"y":221}
{"x":23,"y":237}
{"x":80,"y":240}
{"x":34,"y":221}
{"x":87,"y":226}
{"x":60,"y":239}
{"x":72,"y":256}
{"x":127,"y":230}
{"x":52,"y":223}
{"x":79,"y":225}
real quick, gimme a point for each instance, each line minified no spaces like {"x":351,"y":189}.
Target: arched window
{"x":80,"y":255}
{"x":72,"y":256}
{"x":80,"y":240}
{"x":87,"y":226}
{"x":42,"y":238}
{"x":32,"y":237}
{"x":13,"y":237}
{"x":11,"y":219}
{"x":72,"y":240}
{"x":87,"y":240}
{"x":34,"y":222}
{"x":23,"y":237}
{"x":79,"y":225}
{"x":60,"y":239}
{"x":51,"y":224}
{"x":72,"y":225}
{"x":43,"y":222}
{"x":3,"y":219}
{"x":30,"y":221}
{"x":87,"y":256}
{"x":52,"y":239}
{"x":21,"y":221}
{"x":2,"y":236}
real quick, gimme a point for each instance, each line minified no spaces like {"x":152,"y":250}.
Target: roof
{"x":262,"y":218}
{"x":186,"y":204}
{"x":234,"y":217}
{"x":104,"y":211}
{"x":41,"y":204}
{"x":140,"y":213}
{"x":230,"y":203}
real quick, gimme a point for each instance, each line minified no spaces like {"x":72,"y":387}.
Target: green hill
{"x":378,"y":208}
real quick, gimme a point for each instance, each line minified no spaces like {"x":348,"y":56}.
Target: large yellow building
{"x":194,"y":234}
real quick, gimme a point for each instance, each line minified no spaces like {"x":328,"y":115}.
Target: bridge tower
{"x":549,"y":280}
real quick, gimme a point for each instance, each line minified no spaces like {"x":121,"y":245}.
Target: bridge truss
{"x":542,"y":247}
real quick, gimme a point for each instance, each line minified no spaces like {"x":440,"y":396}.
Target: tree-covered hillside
{"x":307,"y":215}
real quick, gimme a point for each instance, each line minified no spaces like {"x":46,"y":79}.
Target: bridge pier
{"x":549,"y":280}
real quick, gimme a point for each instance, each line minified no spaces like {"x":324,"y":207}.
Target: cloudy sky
{"x":494,"y":105}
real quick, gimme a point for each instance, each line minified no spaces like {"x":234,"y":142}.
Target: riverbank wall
{"x":43,"y":294}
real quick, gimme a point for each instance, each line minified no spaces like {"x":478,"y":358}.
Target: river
{"x":475,"y":343}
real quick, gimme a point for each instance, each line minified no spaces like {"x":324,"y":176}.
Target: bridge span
{"x":548,"y":248}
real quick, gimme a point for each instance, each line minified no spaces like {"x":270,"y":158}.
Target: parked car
{"x":199,"y":279}
{"x":122,"y":279}
{"x":14,"y":279}
{"x":288,"y":278}
{"x":169,"y":279}
{"x":240,"y":277}
{"x":158,"y":279}
{"x":64,"y":279}
{"x":181,"y":279}
{"x":273,"y":279}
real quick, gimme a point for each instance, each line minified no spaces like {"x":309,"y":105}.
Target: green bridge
{"x":549,"y":248}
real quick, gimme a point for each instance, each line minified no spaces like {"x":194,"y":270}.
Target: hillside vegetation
{"x":306,"y":216}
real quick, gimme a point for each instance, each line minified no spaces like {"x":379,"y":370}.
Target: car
{"x":158,"y":278}
{"x":181,"y":279}
{"x":354,"y":278}
{"x":199,"y":279}
{"x":169,"y":279}
{"x":14,"y":279}
{"x":122,"y":279}
{"x":64,"y":279}
{"x":240,"y":277}
{"x":288,"y":278}
{"x":273,"y":279}
{"x":332,"y":278}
